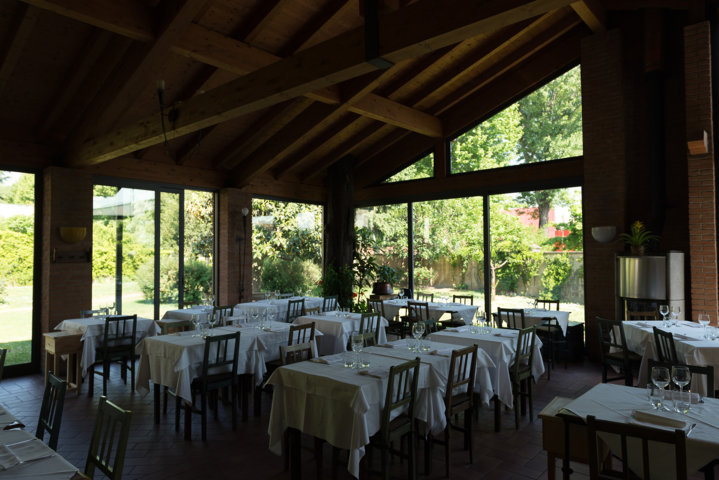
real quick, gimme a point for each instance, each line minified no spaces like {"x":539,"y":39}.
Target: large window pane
{"x":199,"y":245}
{"x":422,"y":168}
{"x":169,"y":251}
{"x":17,"y":241}
{"x":286,"y":246}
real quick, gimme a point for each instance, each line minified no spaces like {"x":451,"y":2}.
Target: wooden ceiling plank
{"x":129,"y":18}
{"x":314,"y":26}
{"x":273,"y":8}
{"x":592,"y":13}
{"x":187,"y":151}
{"x":18,"y":37}
{"x":397,"y":114}
{"x":327,"y":63}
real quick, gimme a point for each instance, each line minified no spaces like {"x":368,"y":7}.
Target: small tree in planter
{"x":386,"y":276}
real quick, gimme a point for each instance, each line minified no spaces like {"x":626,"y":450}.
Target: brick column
{"x":234,"y":247}
{"x":66,"y":286}
{"x":603,"y":107}
{"x":700,"y":170}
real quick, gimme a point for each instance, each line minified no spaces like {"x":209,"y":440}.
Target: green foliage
{"x":364,"y":266}
{"x":24,"y":224}
{"x":199,"y":235}
{"x":289,"y":275}
{"x":198,"y":281}
{"x":338,"y":283}
{"x":638,"y":235}
{"x":3,"y":291}
{"x":575,"y":240}
{"x":168,"y":279}
{"x":22,"y":192}
{"x":556,"y":273}
{"x":422,"y":168}
{"x":16,"y":252}
{"x":387,"y":274}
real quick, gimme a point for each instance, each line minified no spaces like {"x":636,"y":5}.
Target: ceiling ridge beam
{"x":592,"y":13}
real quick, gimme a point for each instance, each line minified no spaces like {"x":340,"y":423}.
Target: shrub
{"x":198,"y":281}
{"x":3,"y":291}
{"x":555,"y":275}
{"x":289,"y":275}
{"x":16,"y":253}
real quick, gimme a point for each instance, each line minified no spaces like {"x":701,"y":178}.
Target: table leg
{"x":498,"y":414}
{"x":156,"y":389}
{"x":551,"y":467}
{"x":47,"y":363}
{"x":293,"y":440}
{"x":188,"y":420}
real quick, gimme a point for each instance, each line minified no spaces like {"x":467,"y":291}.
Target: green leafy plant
{"x":556,"y":273}
{"x":638,"y":235}
{"x":387,"y":274}
{"x":338,"y":283}
{"x":289,"y":275}
{"x":364,"y":266}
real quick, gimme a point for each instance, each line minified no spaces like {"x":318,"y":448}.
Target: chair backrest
{"x":465,"y":299}
{"x":546,"y":304}
{"x":460,"y":384}
{"x":707,"y":371}
{"x":301,"y":333}
{"x":312,"y":311}
{"x":175,"y":326}
{"x":664,"y":342}
{"x":120,"y":330}
{"x":220,"y":351}
{"x":612,"y":337}
{"x":296,"y":353}
{"x":597,"y":469}
{"x":401,"y":395}
{"x":222,"y":313}
{"x":525,"y":349}
{"x":329,"y":303}
{"x":648,"y":315}
{"x":510,"y":318}
{"x":3,"y":354}
{"x":425,"y":297}
{"x":109,"y":440}
{"x":295,"y":308}
{"x":92,"y":313}
{"x":369,"y":328}
{"x":285,"y":295}
{"x":377,"y":306}
{"x":419,"y":312}
{"x":51,"y":410}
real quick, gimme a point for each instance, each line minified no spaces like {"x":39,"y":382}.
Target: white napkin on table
{"x":646,"y":417}
{"x":330,"y":359}
{"x":7,"y":458}
{"x":442,"y":352}
{"x":29,"y":450}
{"x":377,"y":372}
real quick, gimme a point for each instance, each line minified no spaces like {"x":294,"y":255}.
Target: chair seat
{"x":525,"y":370}
{"x":460,"y":402}
{"x":216,"y":379}
{"x":114,"y":350}
{"x":619,"y":356}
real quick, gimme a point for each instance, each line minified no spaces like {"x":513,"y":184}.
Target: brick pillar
{"x":700,"y":170}
{"x":603,"y":107}
{"x":234,"y":247}
{"x":66,"y":286}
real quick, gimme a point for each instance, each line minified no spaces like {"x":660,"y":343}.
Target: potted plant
{"x":638,"y":238}
{"x":386,"y":276}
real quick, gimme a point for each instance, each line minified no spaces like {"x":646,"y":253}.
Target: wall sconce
{"x":73,"y":234}
{"x":604,"y":234}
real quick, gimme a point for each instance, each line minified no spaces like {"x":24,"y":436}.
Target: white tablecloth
{"x":279,"y":306}
{"x":459,"y":311}
{"x":534,"y":316}
{"x":501,"y":346}
{"x":616,"y":403}
{"x":691,"y":347}
{"x":338,"y":404}
{"x":93,"y":329}
{"x":336,"y":330}
{"x":175,"y":360}
{"x":187,"y":313}
{"x":52,"y":467}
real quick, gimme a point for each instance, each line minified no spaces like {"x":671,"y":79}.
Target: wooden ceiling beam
{"x":592,"y":13}
{"x":394,"y":113}
{"x":17,"y":37}
{"x":325,"y":64}
{"x":270,"y":10}
{"x":313,"y":27}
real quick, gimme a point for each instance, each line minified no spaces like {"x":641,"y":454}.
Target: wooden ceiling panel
{"x":224,"y":16}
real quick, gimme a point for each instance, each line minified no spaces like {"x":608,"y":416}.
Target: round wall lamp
{"x":604,"y":234}
{"x":73,"y":234}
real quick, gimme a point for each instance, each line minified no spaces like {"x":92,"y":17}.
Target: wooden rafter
{"x":592,"y":13}
{"x":327,"y":63}
{"x":18,"y":36}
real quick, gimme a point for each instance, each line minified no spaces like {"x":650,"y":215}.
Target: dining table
{"x":174,"y":360}
{"x":458,"y":311}
{"x":93,"y":329}
{"x":336,"y":328}
{"x":535,"y":316}
{"x":188,"y":314}
{"x":276,"y":306}
{"x":23,"y":456}
{"x":623,"y":404}
{"x":691,"y":346}
{"x":501,"y":346}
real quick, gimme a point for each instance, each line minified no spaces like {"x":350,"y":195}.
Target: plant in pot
{"x":386,"y":276}
{"x":638,"y":238}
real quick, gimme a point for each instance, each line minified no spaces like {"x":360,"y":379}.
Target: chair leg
{"x":203,"y":397}
{"x":385,"y":462}
{"x":516,"y":407}
{"x":132,"y":374}
{"x":178,"y":406}
{"x":530,"y":399}
{"x":497,"y":414}
{"x":446,"y":449}
{"x":105,"y":375}
{"x":468,"y":432}
{"x":412,"y":455}
{"x":91,"y":381}
{"x":233,"y":390}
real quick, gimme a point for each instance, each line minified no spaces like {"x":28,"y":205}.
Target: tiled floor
{"x":158,"y":452}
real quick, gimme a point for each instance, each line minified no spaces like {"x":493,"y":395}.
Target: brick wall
{"x":700,"y":172}
{"x":603,"y":111}
{"x":232,"y":238}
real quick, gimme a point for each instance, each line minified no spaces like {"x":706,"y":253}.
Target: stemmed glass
{"x":417,"y":332}
{"x":196,"y":322}
{"x":212,"y":320}
{"x":660,"y":379}
{"x":704,"y":319}
{"x":255,"y":313}
{"x":676,"y":310}
{"x":681,"y":377}
{"x":664,"y":310}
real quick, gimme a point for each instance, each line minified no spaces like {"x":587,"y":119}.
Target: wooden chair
{"x":648,"y":315}
{"x":550,"y":332}
{"x":295,"y":308}
{"x":329,"y":303}
{"x":369,"y":329}
{"x":425,"y":297}
{"x":173,"y":326}
{"x":296,"y":353}
{"x":666,"y":350}
{"x":520,"y":373}
{"x":3,"y":354}
{"x":400,"y":397}
{"x":643,"y":435}
{"x":611,"y":337}
{"x":301,"y":333}
{"x":112,"y":428}
{"x":118,"y":345}
{"x":221,"y":351}
{"x":464,"y":299}
{"x":222,"y":313}
{"x":312,"y":311}
{"x":513,"y":318}
{"x":419,"y":312}
{"x":546,"y":304}
{"x":51,"y":410}
{"x":707,"y":371}
{"x":93,"y":313}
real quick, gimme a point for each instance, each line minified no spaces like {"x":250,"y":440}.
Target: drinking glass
{"x":681,"y":377}
{"x":660,"y":377}
{"x":196,"y":322}
{"x":417,"y":332}
{"x":704,"y":319}
{"x":213,"y":319}
{"x":656,"y":396}
{"x":676,"y":310}
{"x":664,"y":310}
{"x":255,"y":314}
{"x":357,"y":344}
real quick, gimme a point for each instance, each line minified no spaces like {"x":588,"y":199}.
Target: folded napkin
{"x":386,"y":345}
{"x":7,"y":458}
{"x":330,"y":359}
{"x":457,"y":330}
{"x":684,"y":337}
{"x":30,"y":450}
{"x":506,"y":335}
{"x":652,"y":418}
{"x":377,"y":372}
{"x":442,"y":352}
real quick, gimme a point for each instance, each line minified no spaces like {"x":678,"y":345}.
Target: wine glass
{"x":704,"y":319}
{"x":660,"y":377}
{"x":681,"y":377}
{"x":676,"y":310}
{"x":255,"y":313}
{"x":417,"y":332}
{"x":196,"y":322}
{"x":212,"y":320}
{"x":664,"y":311}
